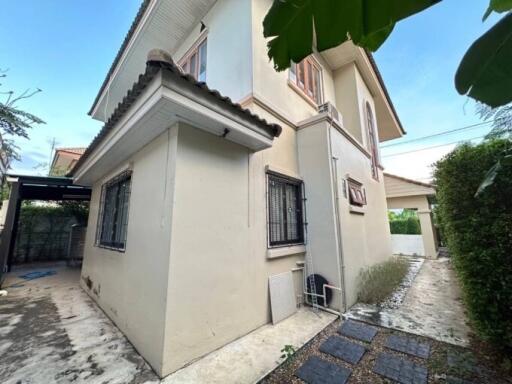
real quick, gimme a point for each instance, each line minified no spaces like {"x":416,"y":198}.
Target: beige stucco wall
{"x":327,"y":157}
{"x":419,"y":202}
{"x":131,"y":286}
{"x":218,"y":271}
{"x":197,"y":258}
{"x":272,"y":86}
{"x":365,"y":237}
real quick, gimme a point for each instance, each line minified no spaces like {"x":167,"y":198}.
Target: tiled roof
{"x":126,"y":40}
{"x":158,"y":61}
{"x":384,"y":88}
{"x":75,"y":150}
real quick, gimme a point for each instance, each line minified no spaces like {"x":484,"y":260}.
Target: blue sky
{"x":66,"y":47}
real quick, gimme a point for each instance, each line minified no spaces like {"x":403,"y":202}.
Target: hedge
{"x":478,"y":232}
{"x":406,"y":226}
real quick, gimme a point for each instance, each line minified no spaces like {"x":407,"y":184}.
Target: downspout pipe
{"x":339,"y":241}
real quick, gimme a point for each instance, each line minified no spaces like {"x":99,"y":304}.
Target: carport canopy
{"x":33,"y":188}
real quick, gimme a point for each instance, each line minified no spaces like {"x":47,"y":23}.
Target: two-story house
{"x":199,"y":198}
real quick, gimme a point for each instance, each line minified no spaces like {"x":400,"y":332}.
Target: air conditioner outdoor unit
{"x":332,"y":112}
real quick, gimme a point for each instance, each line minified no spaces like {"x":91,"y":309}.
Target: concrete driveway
{"x":51,"y":332}
{"x":432,"y":307}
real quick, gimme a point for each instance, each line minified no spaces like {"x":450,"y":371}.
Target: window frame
{"x":303,"y":87}
{"x":372,"y":141}
{"x":195,"y":49}
{"x":299,"y":188}
{"x":123,"y":177}
{"x":356,"y":193}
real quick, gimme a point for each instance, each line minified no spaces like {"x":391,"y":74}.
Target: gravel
{"x":437,"y":363}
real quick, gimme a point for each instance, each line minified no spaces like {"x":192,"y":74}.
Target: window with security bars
{"x":113,"y":218}
{"x":285,"y":220}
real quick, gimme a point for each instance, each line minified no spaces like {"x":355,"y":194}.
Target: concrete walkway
{"x":52,"y":332}
{"x":432,"y":307}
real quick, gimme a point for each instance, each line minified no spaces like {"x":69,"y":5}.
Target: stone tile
{"x":343,"y":349}
{"x":408,"y":345}
{"x":318,"y":371}
{"x":463,"y":362}
{"x":399,"y":369}
{"x":357,"y":330}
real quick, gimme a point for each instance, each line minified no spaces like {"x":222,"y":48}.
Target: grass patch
{"x":377,"y":282}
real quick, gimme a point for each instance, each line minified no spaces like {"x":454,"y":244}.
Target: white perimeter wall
{"x":407,"y":245}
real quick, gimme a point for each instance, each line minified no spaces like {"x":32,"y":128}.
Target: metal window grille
{"x":113,"y":218}
{"x":285,"y":216}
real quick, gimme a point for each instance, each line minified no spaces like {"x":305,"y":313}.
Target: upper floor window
{"x":285,"y":220}
{"x":372,"y":142}
{"x":307,"y":77}
{"x":356,"y":193}
{"x":194,"y":62}
{"x":113,"y":218}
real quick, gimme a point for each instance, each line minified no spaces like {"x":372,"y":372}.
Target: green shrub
{"x":406,"y":226}
{"x":478,"y":232}
{"x":377,"y":282}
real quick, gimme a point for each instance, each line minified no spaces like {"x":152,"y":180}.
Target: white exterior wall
{"x":131,"y":286}
{"x":229,"y":50}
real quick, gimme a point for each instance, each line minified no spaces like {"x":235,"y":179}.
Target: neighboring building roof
{"x":75,"y":151}
{"x":403,"y":186}
{"x":384,"y":89}
{"x":154,"y":65}
{"x":64,"y":159}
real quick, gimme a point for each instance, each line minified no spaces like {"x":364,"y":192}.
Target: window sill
{"x":120,"y":250}
{"x":301,"y":93}
{"x":357,"y":210}
{"x":274,"y":253}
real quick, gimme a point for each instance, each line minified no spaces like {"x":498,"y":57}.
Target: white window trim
{"x":203,"y":36}
{"x":293,"y":83}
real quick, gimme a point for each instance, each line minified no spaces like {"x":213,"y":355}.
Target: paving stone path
{"x":357,"y":330}
{"x":408,"y":345}
{"x":388,"y":364}
{"x":343,"y":349}
{"x":318,"y":371}
{"x":399,"y":369}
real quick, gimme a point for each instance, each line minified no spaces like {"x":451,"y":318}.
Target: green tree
{"x":295,"y":26}
{"x":14,"y":122}
{"x":501,"y":118}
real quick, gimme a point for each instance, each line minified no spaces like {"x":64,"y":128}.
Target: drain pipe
{"x":341,"y":270}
